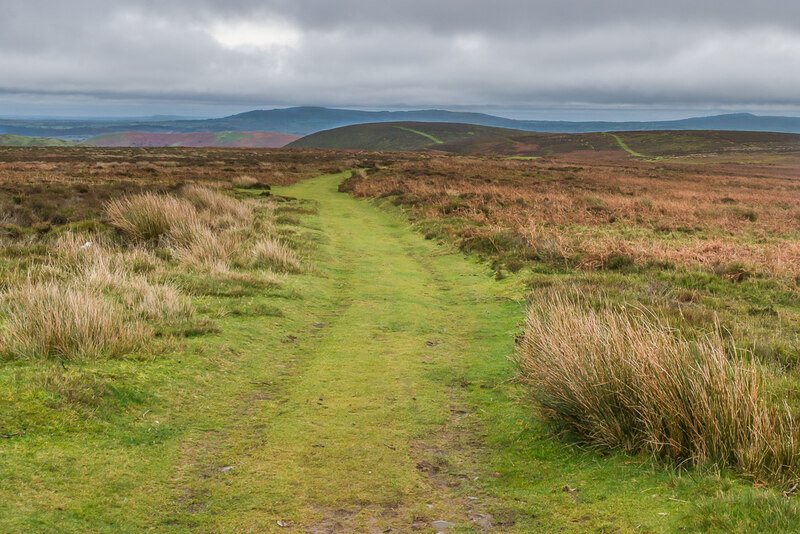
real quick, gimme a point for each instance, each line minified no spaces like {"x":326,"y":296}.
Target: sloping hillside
{"x":194,"y":139}
{"x":472,"y":139}
{"x":18,"y":140}
{"x":399,"y":136}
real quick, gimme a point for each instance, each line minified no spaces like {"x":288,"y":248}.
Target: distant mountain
{"x":399,"y":135}
{"x":307,"y":120}
{"x":193,"y":139}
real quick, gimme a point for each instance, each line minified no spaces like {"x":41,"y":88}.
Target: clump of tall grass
{"x":223,"y":210}
{"x":201,"y":247}
{"x":275,"y":255}
{"x":117,"y":274}
{"x":244,"y":182}
{"x":148,"y":216}
{"x":627,"y":381}
{"x":64,"y":322}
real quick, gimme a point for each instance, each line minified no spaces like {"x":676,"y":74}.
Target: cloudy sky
{"x":526,"y":58}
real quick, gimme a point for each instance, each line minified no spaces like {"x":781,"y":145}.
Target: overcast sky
{"x":529,"y":58}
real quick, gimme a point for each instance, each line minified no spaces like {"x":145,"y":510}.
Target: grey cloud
{"x":446,"y":53}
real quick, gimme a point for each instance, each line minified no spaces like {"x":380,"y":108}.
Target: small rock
{"x":227,"y":468}
{"x":441,"y":525}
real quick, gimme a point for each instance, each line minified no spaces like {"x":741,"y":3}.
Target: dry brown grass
{"x":58,"y":321}
{"x":202,"y":247}
{"x":244,"y":182}
{"x":275,"y":255}
{"x":625,"y":380}
{"x":573,"y":212}
{"x":148,"y":216}
{"x":222,"y":210}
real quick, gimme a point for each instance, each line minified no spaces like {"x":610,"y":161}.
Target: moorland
{"x":513,"y":333}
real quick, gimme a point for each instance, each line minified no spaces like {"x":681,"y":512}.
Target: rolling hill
{"x":307,"y":120}
{"x":19,"y":140}
{"x":193,"y":139}
{"x":472,"y":139}
{"x":399,"y":136}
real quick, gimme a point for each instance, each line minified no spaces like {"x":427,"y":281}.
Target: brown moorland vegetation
{"x":43,"y":188}
{"x":706,"y":245}
{"x":590,"y":215}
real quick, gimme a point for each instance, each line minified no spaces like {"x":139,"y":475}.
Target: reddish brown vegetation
{"x":44,"y":187}
{"x":593,"y":210}
{"x":195,"y":139}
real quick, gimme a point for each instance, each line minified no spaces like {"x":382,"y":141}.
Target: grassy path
{"x":375,"y":397}
{"x":393,"y":410}
{"x":624,"y":146}
{"x":423,"y":134}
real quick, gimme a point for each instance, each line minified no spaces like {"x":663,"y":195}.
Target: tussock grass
{"x":626,"y":381}
{"x":275,"y":255}
{"x":224,"y":211}
{"x":51,"y":320}
{"x":148,"y":216}
{"x":161,"y":303}
{"x":96,"y":296}
{"x":200,"y":246}
{"x":244,"y":182}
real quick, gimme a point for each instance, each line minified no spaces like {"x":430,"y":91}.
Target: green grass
{"x":423,"y":134}
{"x":378,"y":397}
{"x":626,"y":148}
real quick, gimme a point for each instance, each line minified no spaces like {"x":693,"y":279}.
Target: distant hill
{"x":472,"y":139}
{"x":18,"y":140}
{"x":399,"y":136}
{"x":307,"y":120}
{"x":193,"y":139}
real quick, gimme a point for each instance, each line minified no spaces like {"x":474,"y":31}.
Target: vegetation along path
{"x":379,"y":399}
{"x":394,"y":410}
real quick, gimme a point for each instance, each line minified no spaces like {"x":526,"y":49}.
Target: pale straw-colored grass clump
{"x":149,"y":216}
{"x":275,"y":255}
{"x":221,"y":210}
{"x":244,"y":182}
{"x":65,"y":322}
{"x":625,"y":380}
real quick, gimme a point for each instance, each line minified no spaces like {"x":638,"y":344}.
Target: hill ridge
{"x":305,"y":120}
